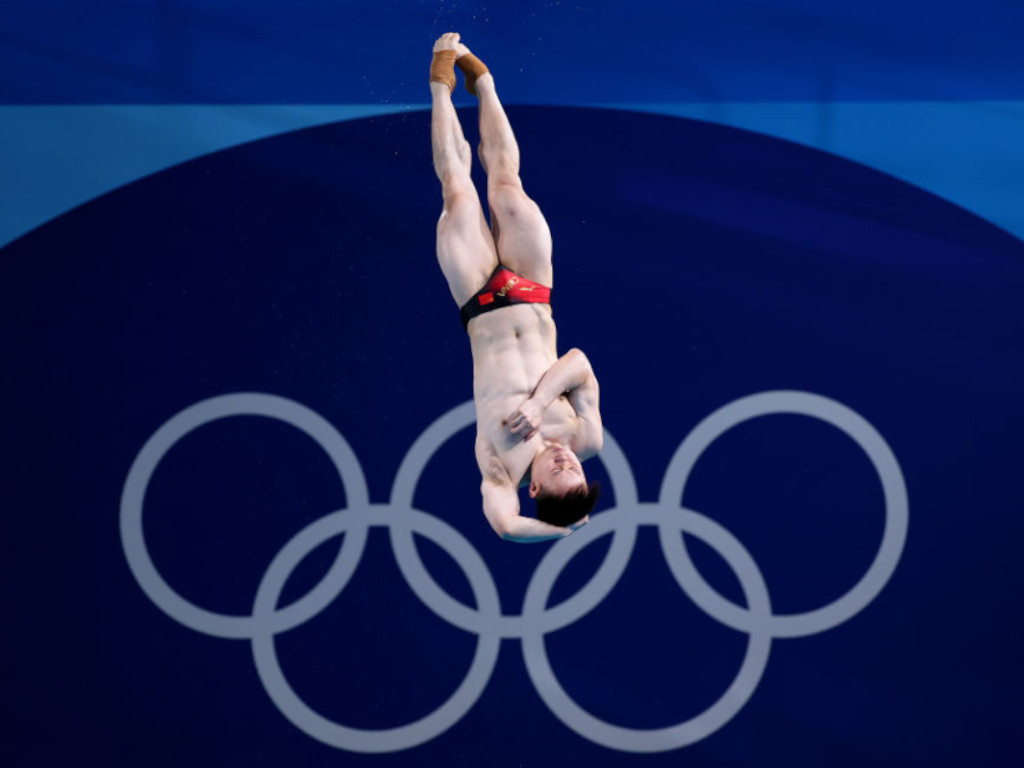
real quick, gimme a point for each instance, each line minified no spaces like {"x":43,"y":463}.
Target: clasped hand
{"x":525,"y":421}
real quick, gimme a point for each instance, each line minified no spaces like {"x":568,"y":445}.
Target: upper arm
{"x":501,"y":505}
{"x":586,"y":402}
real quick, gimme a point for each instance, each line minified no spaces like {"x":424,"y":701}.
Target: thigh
{"x":465,"y":248}
{"x":521,"y":233}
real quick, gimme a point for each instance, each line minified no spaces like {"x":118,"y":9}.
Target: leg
{"x":519,"y":228}
{"x":465,"y":248}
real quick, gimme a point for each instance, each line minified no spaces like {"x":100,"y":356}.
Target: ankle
{"x":440,"y":90}
{"x":485,"y":82}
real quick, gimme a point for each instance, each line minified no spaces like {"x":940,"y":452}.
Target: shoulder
{"x":588,"y":442}
{"x":500,"y":503}
{"x":588,"y":435}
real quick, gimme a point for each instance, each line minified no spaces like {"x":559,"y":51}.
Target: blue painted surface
{"x":175,"y":51}
{"x":697,"y":264}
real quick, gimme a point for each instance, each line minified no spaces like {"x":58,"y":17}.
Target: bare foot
{"x":471,"y":67}
{"x":442,"y":66}
{"x":449,"y":41}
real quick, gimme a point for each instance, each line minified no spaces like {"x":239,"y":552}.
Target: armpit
{"x":496,"y":471}
{"x":491,"y":467}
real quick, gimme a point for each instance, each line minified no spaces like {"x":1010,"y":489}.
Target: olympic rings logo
{"x":487,"y":621}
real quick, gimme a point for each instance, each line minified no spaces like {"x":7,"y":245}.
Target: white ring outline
{"x":385,"y":739}
{"x":174,"y":429}
{"x":455,"y":612}
{"x":699,"y":726}
{"x":536,"y":620}
{"x":882,"y":458}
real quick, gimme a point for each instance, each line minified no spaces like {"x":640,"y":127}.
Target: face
{"x":556,"y":470}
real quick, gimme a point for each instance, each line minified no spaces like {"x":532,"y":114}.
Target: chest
{"x":513,"y":453}
{"x":560,"y":422}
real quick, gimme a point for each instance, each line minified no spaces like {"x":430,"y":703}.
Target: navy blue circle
{"x":694,"y":264}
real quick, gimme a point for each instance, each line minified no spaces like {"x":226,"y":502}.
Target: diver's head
{"x":558,"y":484}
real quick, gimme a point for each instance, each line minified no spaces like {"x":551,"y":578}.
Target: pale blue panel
{"x":55,"y":158}
{"x":968,"y":152}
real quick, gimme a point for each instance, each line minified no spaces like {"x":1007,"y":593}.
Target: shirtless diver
{"x":537,"y":413}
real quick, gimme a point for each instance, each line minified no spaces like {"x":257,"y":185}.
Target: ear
{"x":534,"y":489}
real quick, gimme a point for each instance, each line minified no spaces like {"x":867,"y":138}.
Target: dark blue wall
{"x":553,"y":51}
{"x":857,"y":533}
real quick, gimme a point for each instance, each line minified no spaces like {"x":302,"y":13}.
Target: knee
{"x":506,"y":196}
{"x":454,"y":180}
{"x":460,"y":203}
{"x":456,"y":183}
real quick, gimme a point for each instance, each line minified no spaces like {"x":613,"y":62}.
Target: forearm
{"x":570,"y":371}
{"x":527,"y":530}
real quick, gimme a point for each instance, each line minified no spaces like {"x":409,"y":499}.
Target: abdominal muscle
{"x":512,"y":349}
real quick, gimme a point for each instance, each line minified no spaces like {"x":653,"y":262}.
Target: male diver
{"x":537,"y":413}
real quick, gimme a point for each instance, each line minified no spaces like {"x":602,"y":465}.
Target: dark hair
{"x":567,"y":509}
